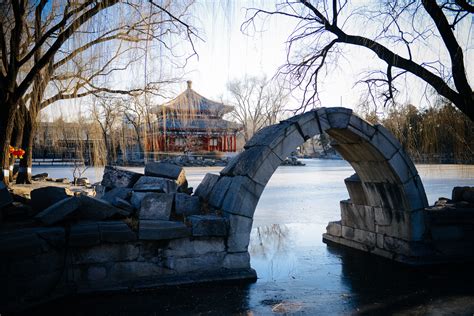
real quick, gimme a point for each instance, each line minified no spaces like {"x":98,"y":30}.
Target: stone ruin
{"x":140,"y":231}
{"x":148,"y":230}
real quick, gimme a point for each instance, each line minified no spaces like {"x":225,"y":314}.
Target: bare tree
{"x":394,"y":31}
{"x":106,"y":112}
{"x":258,"y":102}
{"x":56,"y":47}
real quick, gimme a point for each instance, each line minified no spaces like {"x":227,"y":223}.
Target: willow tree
{"x":398,"y":33}
{"x":56,"y":50}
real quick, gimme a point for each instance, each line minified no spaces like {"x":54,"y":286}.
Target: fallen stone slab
{"x":162,"y":230}
{"x":117,"y":177}
{"x":84,"y":235}
{"x":154,"y":184}
{"x":40,"y":176}
{"x":43,"y":198}
{"x":166,"y":170}
{"x":156,"y":206}
{"x":208,"y":225}
{"x":58,"y":211}
{"x":123,"y":193}
{"x":95,"y":209}
{"x":116,"y":231}
{"x":5,"y":196}
{"x":186,"y":205}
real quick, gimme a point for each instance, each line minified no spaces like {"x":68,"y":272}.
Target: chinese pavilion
{"x":193,"y":123}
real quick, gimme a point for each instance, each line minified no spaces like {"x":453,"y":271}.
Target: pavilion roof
{"x":192,"y":102}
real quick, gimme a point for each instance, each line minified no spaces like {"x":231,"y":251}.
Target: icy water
{"x":297,"y":273}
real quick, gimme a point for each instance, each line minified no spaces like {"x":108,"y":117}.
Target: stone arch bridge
{"x":385,"y":212}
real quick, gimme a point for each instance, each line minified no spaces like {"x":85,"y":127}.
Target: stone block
{"x":216,"y":197}
{"x":257,"y":162}
{"x":58,"y":211}
{"x":43,"y":198}
{"x":346,"y":136}
{"x":162,"y":230}
{"x":106,"y":253}
{"x":289,"y":143}
{"x":208,"y":225}
{"x":186,"y":247}
{"x":5,"y":196}
{"x":84,"y":235}
{"x":156,"y":206}
{"x":242,"y":196}
{"x":386,"y":195}
{"x":206,"y":186}
{"x":396,"y":245}
{"x":383,"y":216}
{"x":21,"y":243}
{"x":359,"y":235}
{"x":119,"y":192}
{"x":186,"y":205}
{"x":96,"y":210}
{"x":154,"y":184}
{"x":136,"y":199}
{"x":209,"y":262}
{"x":379,"y":241}
{"x":166,"y":170}
{"x":116,"y":231}
{"x":338,"y":117}
{"x":239,"y":232}
{"x":54,"y":236}
{"x":239,"y":260}
{"x":357,"y":216}
{"x":463,"y":194}
{"x":385,"y":142}
{"x":404,"y":170}
{"x":117,"y":177}
{"x":334,"y":229}
{"x":356,"y":190}
{"x":132,"y":270}
{"x":361,"y":125}
{"x":415,"y":194}
{"x":406,"y":225}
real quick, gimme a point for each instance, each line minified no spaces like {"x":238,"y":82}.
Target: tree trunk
{"x":17,"y":135}
{"x":7,"y":113}
{"x":29,"y":130}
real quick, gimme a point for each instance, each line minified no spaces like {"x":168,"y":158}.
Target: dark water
{"x":298,"y":274}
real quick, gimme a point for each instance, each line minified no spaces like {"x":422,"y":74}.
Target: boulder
{"x":162,"y":230}
{"x":95,"y":209}
{"x":166,"y":170}
{"x":5,"y":196}
{"x":186,"y":205}
{"x":82,"y":181}
{"x":63,"y":181}
{"x":156,"y":206}
{"x":208,"y":225}
{"x":154,"y":184}
{"x":43,"y":198}
{"x":116,"y":177}
{"x":58,"y":211}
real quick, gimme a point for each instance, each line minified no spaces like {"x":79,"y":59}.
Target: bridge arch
{"x":384,"y":214}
